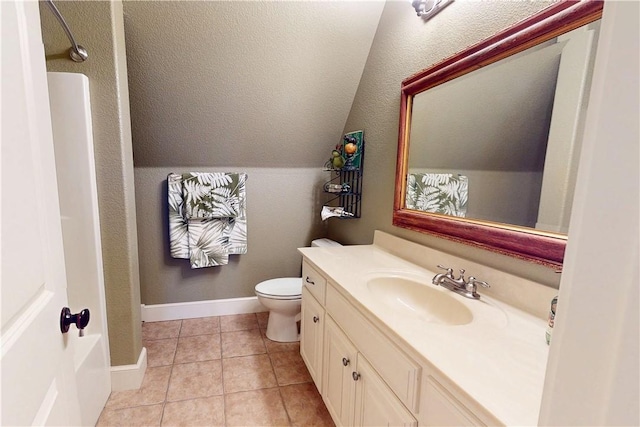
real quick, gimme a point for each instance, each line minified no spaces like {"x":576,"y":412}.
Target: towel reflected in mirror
{"x":443,"y":193}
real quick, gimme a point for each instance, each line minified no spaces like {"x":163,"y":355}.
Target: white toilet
{"x":283,"y":297}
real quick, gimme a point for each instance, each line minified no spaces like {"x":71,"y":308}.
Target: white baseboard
{"x":195,"y":309}
{"x":129,"y":377}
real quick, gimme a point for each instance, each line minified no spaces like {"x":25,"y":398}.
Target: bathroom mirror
{"x":489,"y":139}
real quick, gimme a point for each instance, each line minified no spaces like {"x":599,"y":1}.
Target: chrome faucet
{"x":467,"y":288}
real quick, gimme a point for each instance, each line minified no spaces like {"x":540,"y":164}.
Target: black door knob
{"x":81,"y":320}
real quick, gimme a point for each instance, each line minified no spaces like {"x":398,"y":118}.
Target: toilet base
{"x":282,"y":328}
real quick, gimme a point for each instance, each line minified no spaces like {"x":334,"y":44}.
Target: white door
{"x":38,"y":383}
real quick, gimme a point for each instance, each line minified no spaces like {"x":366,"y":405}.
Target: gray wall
{"x":260,"y":87}
{"x":98,"y":26}
{"x":404,"y":45}
{"x":283,"y":213}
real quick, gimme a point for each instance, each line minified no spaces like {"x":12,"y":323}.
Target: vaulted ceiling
{"x":234,"y":83}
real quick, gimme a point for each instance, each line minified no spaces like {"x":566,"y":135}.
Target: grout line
{"x":273,"y":369}
{"x":284,"y":405}
{"x":166,"y":393}
{"x":222,"y":368}
{"x":224,"y":395}
{"x":180,"y":329}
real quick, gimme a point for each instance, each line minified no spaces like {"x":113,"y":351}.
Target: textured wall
{"x":261,"y":87}
{"x":404,"y":45}
{"x":283,"y":213}
{"x":98,"y":26}
{"x":262,"y":84}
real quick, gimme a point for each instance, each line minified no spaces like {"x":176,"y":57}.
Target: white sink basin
{"x":420,"y":299}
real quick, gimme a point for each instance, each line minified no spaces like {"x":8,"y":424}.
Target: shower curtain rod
{"x":77,"y":53}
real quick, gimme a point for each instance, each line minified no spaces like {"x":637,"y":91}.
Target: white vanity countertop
{"x":499,"y":359}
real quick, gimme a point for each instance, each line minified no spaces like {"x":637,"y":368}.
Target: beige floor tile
{"x":193,"y":380}
{"x":137,"y":416}
{"x":153,"y":390}
{"x":255,"y":408}
{"x":289,"y":368}
{"x":274,"y":346}
{"x":208,"y":411}
{"x":200,"y":326}
{"x":305,"y":406}
{"x":198,"y":348}
{"x":160,"y":352}
{"x":188,"y":379}
{"x":242,"y":343}
{"x":263,"y":319}
{"x":247,"y":373}
{"x":161,"y":330}
{"x":238,"y":322}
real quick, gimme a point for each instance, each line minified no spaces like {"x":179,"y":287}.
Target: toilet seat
{"x":284,"y":288}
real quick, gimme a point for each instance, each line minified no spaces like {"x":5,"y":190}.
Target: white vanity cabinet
{"x":365,"y":378}
{"x":339,"y":388}
{"x":439,"y":407}
{"x":312,"y":335}
{"x":375,"y":403}
{"x":312,"y":321}
{"x":353,"y":392}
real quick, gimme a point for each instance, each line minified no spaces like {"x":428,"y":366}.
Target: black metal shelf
{"x":349,"y":177}
{"x":350,"y":200}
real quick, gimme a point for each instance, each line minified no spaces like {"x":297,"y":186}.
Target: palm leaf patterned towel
{"x":208,"y":242}
{"x":211,"y":195}
{"x":178,"y":227}
{"x":207,"y":217}
{"x":442,"y":193}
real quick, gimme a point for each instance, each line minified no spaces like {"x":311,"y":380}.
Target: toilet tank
{"x":324,"y":243}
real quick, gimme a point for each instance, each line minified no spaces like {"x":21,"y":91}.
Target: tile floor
{"x":218,"y":371}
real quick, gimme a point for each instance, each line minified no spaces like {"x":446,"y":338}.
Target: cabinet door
{"x":375,"y":403}
{"x":311,"y":336}
{"x":339,"y":388}
{"x":439,"y":408}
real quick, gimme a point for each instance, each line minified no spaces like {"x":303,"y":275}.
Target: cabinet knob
{"x":309,"y":281}
{"x":316,"y":319}
{"x":345,"y":361}
{"x":355,"y":376}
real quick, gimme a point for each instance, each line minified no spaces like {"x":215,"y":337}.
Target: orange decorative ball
{"x":350,"y":148}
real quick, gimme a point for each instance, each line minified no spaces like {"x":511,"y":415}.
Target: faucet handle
{"x":461,"y":278}
{"x":474,"y":281}
{"x":472,"y":286}
{"x":447,"y":269}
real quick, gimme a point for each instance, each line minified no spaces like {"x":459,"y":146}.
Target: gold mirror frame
{"x":529,"y":244}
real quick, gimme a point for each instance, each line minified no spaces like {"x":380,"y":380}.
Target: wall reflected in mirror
{"x":502,"y":143}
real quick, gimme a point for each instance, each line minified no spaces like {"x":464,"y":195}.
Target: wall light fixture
{"x":427,"y":9}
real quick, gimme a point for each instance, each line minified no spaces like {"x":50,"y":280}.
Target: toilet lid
{"x":282,"y":288}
